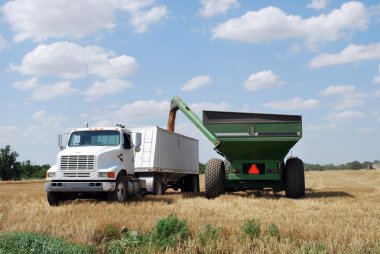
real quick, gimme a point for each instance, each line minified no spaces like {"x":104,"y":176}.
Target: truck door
{"x":128,"y":154}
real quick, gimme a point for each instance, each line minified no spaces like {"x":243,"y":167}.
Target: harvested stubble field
{"x":340,"y":214}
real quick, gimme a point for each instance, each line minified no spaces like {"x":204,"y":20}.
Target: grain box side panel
{"x":176,"y":153}
{"x":167,"y":151}
{"x":189,"y":155}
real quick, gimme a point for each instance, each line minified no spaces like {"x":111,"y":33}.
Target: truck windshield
{"x":94,"y":138}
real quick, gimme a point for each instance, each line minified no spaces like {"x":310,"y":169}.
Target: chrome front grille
{"x":76,"y":174}
{"x":77,"y":162}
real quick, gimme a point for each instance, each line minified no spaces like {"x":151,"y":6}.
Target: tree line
{"x":11,"y":169}
{"x":354,"y":165}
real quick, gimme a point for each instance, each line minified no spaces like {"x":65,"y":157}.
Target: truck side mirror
{"x":60,"y":142}
{"x":138,"y":139}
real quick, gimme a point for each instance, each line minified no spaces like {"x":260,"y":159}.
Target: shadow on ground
{"x":311,"y":193}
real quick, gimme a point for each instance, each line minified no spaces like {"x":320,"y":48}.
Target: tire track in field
{"x":368,"y":182}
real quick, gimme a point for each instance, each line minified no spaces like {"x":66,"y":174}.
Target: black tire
{"x":227,"y":166}
{"x":120,"y":194}
{"x":190,"y":184}
{"x":214,"y":178}
{"x":54,"y":198}
{"x":159,"y":186}
{"x":294,"y":178}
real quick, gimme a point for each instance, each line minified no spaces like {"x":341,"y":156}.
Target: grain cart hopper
{"x":254,"y":147}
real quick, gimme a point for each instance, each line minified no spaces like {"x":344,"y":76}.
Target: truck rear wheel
{"x":294,"y":178}
{"x":120,"y":193}
{"x":190,"y":184}
{"x":214,"y":178}
{"x":54,"y":198}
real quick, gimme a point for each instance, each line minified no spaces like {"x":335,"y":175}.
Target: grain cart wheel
{"x":190,"y":184}
{"x":294,"y":178}
{"x":215,"y":178}
{"x":120,"y":193}
{"x":227,"y":167}
{"x":159,"y":186}
{"x":54,"y":198}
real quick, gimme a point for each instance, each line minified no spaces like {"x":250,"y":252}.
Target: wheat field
{"x":341,"y":213}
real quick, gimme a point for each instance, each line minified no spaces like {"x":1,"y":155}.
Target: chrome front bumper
{"x":80,"y":186}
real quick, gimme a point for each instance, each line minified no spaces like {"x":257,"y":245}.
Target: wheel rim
{"x":120,"y":192}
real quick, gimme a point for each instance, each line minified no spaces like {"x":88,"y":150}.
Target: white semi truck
{"x":116,"y":163}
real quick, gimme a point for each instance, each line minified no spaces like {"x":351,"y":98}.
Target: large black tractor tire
{"x":214,"y":178}
{"x":158,"y":186}
{"x":190,"y":184}
{"x":227,"y":168}
{"x":120,"y":194}
{"x":294,"y":178}
{"x":54,"y":198}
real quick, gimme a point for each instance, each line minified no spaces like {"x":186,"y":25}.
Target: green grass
{"x":38,"y":243}
{"x":169,"y":233}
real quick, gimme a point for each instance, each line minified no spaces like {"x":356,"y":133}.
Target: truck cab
{"x":95,"y":160}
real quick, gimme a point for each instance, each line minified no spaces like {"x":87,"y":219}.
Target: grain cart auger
{"x":254,"y":147}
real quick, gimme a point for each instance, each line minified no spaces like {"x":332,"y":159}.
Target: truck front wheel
{"x":120,"y":193}
{"x":54,"y":198}
{"x":294,"y":178}
{"x":214,"y":178}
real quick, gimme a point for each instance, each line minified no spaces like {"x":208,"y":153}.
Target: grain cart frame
{"x":254,"y":147}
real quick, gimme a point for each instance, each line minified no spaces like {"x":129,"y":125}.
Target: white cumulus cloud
{"x":71,"y":61}
{"x":133,"y":113}
{"x":348,"y":103}
{"x":319,"y":127}
{"x":293,"y":104}
{"x":211,"y":8}
{"x":42,"y":19}
{"x":272,"y":23}
{"x":318,"y":4}
{"x":262,"y":80}
{"x":198,"y":107}
{"x":101,"y":88}
{"x":196,"y":82}
{"x":3,"y":42}
{"x":44,"y":127}
{"x":366,"y":130}
{"x":26,"y":84}
{"x":9,"y":133}
{"x":377,"y":78}
{"x":142,"y":19}
{"x":351,"y":54}
{"x":344,"y":116}
{"x":338,"y":89}
{"x":42,"y":116}
{"x":48,"y":92}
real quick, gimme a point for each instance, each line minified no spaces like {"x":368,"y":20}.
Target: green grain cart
{"x":254,"y":147}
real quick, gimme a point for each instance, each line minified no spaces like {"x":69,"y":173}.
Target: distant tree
{"x":27,"y":169}
{"x":8,"y":167}
{"x":202,"y":168}
{"x":354,"y":165}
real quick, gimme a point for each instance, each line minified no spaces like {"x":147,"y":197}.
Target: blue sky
{"x":64,"y":63}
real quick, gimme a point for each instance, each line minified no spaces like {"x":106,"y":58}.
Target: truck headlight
{"x":50,"y":174}
{"x":107,"y":174}
{"x":103,"y":174}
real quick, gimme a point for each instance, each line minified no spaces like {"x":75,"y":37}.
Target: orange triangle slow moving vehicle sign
{"x":253,"y":170}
